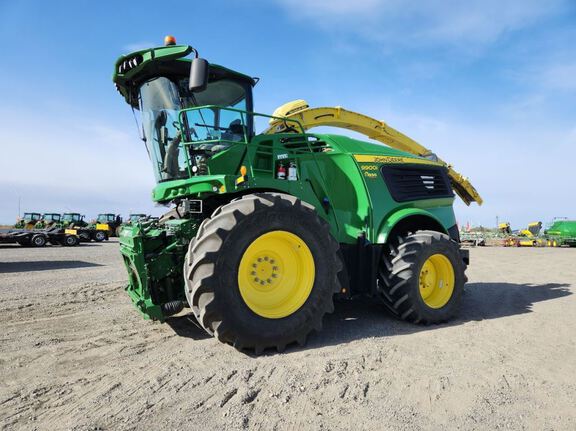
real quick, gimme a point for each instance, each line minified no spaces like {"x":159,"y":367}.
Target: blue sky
{"x":488,"y":85}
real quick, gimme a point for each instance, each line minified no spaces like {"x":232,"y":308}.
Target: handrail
{"x":373,"y":129}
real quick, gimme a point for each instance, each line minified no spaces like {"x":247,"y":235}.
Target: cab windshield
{"x":70,"y":217}
{"x":161,"y":99}
{"x":51,"y":217}
{"x":103,"y":218}
{"x":31,"y":216}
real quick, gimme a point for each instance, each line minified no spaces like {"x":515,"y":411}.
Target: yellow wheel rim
{"x":276,"y":274}
{"x":436,"y":281}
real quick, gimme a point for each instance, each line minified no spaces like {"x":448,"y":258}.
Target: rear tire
{"x":421,"y":277}
{"x":100,"y":236}
{"x":273,"y":236}
{"x":38,"y":240}
{"x":70,"y":241}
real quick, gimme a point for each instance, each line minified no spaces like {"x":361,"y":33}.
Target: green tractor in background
{"x":28,"y":221}
{"x":108,"y":222}
{"x":73,"y":220}
{"x":74,"y":224}
{"x":48,"y":220}
{"x":267,"y":228}
{"x":562,"y":232}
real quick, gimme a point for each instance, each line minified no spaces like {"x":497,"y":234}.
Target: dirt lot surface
{"x":75,"y":355}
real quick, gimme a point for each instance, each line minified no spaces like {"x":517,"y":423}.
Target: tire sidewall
{"x":38,"y":241}
{"x":70,"y":241}
{"x":450,"y":250}
{"x":227,"y":292}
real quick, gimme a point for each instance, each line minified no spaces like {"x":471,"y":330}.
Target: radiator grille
{"x":407,"y":183}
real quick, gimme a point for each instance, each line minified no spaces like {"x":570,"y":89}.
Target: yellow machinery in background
{"x":529,"y":237}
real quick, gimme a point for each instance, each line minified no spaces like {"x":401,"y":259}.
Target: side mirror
{"x":198,"y":74}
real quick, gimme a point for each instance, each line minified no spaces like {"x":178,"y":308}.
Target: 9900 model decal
{"x":369,"y":171}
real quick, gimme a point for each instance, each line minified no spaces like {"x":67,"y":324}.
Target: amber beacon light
{"x":169,"y":40}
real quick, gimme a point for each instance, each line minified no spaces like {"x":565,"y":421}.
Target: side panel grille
{"x":407,"y":183}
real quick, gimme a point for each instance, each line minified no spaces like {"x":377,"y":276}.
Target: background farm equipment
{"x":28,"y":221}
{"x":562,"y":232}
{"x":108,"y":222}
{"x":72,"y":220}
{"x":473,"y":238}
{"x":39,"y":238}
{"x":48,"y":220}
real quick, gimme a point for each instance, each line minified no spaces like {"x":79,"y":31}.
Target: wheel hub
{"x":266,"y":269}
{"x":276,"y":274}
{"x":436,"y":281}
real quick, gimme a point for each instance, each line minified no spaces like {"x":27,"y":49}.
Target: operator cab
{"x":161,"y":101}
{"x":72,"y":217}
{"x":51,"y":217}
{"x":32,"y":216}
{"x":106,"y":218}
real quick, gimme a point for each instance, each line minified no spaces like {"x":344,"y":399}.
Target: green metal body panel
{"x":563,"y":231}
{"x":155,"y":256}
{"x":351,"y":195}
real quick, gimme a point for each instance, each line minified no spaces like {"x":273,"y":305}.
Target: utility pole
{"x":19,"y":199}
{"x":497,"y":224}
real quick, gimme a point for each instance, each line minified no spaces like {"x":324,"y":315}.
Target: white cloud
{"x":400,"y":24}
{"x":72,"y":162}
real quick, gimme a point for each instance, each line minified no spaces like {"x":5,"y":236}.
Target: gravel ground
{"x":75,"y":355}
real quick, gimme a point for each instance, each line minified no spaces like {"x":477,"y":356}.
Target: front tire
{"x":262,"y":272}
{"x":100,"y":236}
{"x":38,"y":240}
{"x":421,"y":277}
{"x":70,"y":241}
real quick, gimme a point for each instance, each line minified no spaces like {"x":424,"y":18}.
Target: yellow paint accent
{"x":240,"y":180}
{"x":364,"y":158}
{"x":527,"y":243}
{"x":102,"y":226}
{"x":436,"y":281}
{"x":276,"y":274}
{"x":70,"y":231}
{"x":299,"y":111}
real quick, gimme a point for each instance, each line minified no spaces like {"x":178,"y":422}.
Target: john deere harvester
{"x":266,"y":228}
